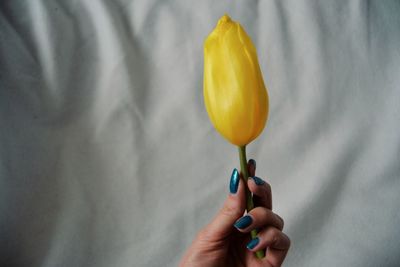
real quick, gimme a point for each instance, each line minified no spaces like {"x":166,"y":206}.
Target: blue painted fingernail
{"x":243,"y":222}
{"x":258,"y":180}
{"x":253,"y":162}
{"x":253,"y":243}
{"x":234,"y":183}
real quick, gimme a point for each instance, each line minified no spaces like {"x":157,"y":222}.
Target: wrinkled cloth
{"x":108,"y":158}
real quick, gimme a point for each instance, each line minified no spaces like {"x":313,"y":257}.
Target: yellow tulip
{"x":234,"y":92}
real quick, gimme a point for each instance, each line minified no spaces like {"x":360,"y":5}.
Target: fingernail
{"x":253,"y":162}
{"x":253,"y":243}
{"x":258,"y":180}
{"x":243,"y":222}
{"x":234,"y":183}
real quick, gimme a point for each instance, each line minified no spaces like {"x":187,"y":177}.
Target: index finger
{"x":262,"y":194}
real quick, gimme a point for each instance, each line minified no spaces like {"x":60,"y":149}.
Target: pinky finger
{"x":276,"y":243}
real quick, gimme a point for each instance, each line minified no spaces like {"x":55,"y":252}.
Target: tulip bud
{"x":234,"y":92}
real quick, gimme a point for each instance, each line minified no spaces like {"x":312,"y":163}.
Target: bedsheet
{"x":107,"y":156}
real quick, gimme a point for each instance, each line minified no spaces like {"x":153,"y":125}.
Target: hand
{"x":223,"y":242}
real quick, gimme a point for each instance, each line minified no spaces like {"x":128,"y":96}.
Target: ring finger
{"x":276,"y":243}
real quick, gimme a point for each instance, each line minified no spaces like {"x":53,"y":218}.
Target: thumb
{"x":222,"y":225}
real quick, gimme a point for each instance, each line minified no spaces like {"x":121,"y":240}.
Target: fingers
{"x":233,"y":208}
{"x":277,"y":243}
{"x":271,"y":236}
{"x":261,"y":190}
{"x":258,"y":218}
{"x":251,"y":166}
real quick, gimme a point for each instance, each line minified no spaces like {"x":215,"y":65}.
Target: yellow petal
{"x":234,"y":92}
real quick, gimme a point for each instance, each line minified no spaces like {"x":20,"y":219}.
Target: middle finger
{"x":258,"y":218}
{"x":261,"y":190}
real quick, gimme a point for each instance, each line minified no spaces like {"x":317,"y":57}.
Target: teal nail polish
{"x":243,"y":222}
{"x":234,"y":183}
{"x":258,"y":180}
{"x":253,"y":243}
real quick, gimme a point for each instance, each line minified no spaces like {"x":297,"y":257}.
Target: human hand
{"x":223,"y":241}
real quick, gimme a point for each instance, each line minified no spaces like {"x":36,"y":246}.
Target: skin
{"x":221,"y":244}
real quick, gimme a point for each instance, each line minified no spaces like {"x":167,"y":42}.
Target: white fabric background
{"x":107,"y":156}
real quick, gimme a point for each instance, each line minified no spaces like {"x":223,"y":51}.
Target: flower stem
{"x":249,"y":198}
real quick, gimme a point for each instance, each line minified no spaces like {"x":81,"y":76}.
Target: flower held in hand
{"x":234,"y":92}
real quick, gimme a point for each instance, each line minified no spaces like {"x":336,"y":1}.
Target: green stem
{"x":249,"y":199}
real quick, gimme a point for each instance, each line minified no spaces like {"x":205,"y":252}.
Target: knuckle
{"x":264,"y":191}
{"x":282,"y":222}
{"x":264,"y":214}
{"x":231,"y":211}
{"x":261,"y":212}
{"x":203,"y":235}
{"x":268,"y":188}
{"x":275,"y":235}
{"x":286,"y":240}
{"x":203,"y":239}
